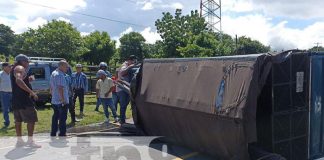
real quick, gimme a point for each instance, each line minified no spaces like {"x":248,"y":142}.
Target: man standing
{"x":114,"y":93}
{"x":80,"y":86}
{"x":60,"y":99}
{"x":5,"y":92}
{"x":104,"y":89}
{"x":71,"y":104}
{"x":123,"y":96}
{"x":102,"y":66}
{"x":22,"y":100}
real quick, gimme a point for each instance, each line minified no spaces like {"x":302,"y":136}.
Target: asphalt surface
{"x":115,"y":143}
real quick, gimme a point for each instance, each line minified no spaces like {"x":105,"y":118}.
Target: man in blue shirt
{"x":80,"y":86}
{"x":71,"y":104}
{"x":60,"y":99}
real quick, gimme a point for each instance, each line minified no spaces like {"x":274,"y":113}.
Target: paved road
{"x":107,"y":145}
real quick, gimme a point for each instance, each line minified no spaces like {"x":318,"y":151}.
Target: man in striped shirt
{"x":80,"y":86}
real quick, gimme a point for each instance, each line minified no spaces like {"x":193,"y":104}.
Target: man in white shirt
{"x":104,"y":89}
{"x":5,"y":92}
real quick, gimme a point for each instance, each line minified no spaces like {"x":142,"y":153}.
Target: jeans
{"x":6,"y":98}
{"x":115,"y":100}
{"x":98,"y":104}
{"x":79,"y":93}
{"x":123,"y":100}
{"x":108,"y":102}
{"x":59,"y":119}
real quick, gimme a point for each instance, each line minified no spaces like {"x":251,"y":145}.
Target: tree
{"x":7,"y":39}
{"x":317,"y":49}
{"x":249,"y":46}
{"x":154,"y":50}
{"x":99,"y":46}
{"x":54,"y":39}
{"x":202,"y":45}
{"x":175,"y":31}
{"x":131,"y":44}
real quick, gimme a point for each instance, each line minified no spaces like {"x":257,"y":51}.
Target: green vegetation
{"x":99,"y":47}
{"x":182,"y":36}
{"x":131,"y":44}
{"x":45,"y":117}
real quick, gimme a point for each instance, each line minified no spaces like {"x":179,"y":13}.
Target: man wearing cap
{"x":102,"y":66}
{"x":123,"y":96}
{"x":80,"y":86}
{"x":60,"y":99}
{"x":104,"y":89}
{"x":22,"y":100}
{"x":5,"y":92}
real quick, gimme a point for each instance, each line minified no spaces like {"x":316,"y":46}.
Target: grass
{"x":45,"y":116}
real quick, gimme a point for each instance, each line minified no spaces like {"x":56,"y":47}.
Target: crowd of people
{"x":16,"y":93}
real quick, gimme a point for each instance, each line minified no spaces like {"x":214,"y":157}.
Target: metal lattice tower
{"x":212,"y":12}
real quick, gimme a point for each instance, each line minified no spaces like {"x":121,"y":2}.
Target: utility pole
{"x":211,"y":10}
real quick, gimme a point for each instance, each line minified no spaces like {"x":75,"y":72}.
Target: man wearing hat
{"x":123,"y":96}
{"x":23,"y":100}
{"x":102,"y":66}
{"x":80,"y":86}
{"x":5,"y":92}
{"x":104,"y":89}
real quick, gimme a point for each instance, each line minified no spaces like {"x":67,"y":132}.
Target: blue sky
{"x":281,"y":24}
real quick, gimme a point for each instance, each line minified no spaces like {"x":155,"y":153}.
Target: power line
{"x":83,"y":14}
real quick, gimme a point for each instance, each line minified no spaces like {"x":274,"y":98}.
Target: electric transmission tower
{"x":212,"y":12}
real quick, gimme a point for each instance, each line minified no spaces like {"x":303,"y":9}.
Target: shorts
{"x":27,"y":115}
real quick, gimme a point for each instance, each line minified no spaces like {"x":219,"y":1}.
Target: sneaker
{"x":116,"y":120}
{"x":6,"y":125}
{"x":20,"y":143}
{"x":97,"y":110}
{"x":107,"y":121}
{"x":122,"y":122}
{"x":32,"y":144}
{"x":81,"y":114}
{"x":75,"y":120}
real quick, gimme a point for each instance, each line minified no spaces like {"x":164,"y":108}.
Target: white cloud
{"x":278,"y":36}
{"x":64,"y":19}
{"x":150,"y":36}
{"x":159,"y":4}
{"x":147,"y":6}
{"x":20,"y":15}
{"x":116,"y":38}
{"x":21,"y":24}
{"x":298,"y":9}
{"x":128,"y":30}
{"x":291,"y":8}
{"x":254,"y":26}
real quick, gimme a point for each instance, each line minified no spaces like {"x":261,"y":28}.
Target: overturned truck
{"x":235,"y":107}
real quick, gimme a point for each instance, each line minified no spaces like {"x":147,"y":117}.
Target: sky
{"x":280,"y":24}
